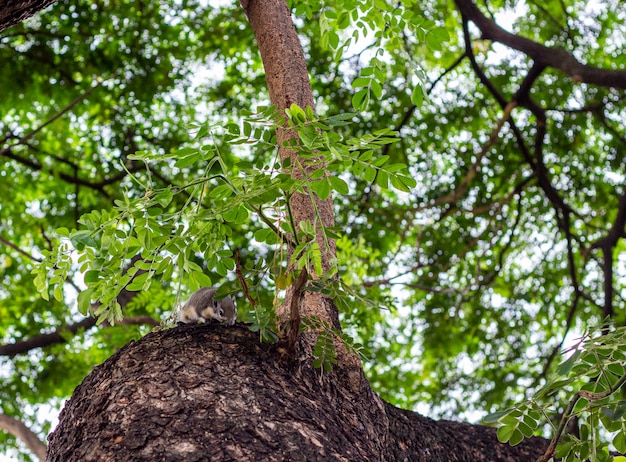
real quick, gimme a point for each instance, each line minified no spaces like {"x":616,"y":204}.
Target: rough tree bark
{"x":15,"y":11}
{"x":213,"y":392}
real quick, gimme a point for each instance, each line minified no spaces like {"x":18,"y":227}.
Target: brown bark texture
{"x":15,"y":11}
{"x":213,"y":392}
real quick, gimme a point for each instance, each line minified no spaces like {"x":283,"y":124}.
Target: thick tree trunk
{"x":213,"y":392}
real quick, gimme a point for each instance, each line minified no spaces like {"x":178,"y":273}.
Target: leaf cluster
{"x":591,"y":377}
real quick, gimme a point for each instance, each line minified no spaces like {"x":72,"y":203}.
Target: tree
{"x":484,"y":278}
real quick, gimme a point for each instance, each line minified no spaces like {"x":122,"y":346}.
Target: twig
{"x":73,"y":103}
{"x":242,"y":280}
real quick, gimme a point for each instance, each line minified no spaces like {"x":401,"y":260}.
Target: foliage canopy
{"x":139,"y":153}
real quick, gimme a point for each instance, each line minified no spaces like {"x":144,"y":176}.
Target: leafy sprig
{"x":592,"y":376}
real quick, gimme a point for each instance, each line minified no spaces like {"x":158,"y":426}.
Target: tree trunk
{"x":213,"y":392}
{"x":288,"y":83}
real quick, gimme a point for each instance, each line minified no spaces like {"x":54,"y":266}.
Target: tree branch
{"x":23,"y":433}
{"x":73,"y":103}
{"x":72,"y":179}
{"x":553,"y":57}
{"x":18,"y":250}
{"x":60,"y":335}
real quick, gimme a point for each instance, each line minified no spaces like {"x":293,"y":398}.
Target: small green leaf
{"x":296,"y":113}
{"x":370,"y":174}
{"x":619,"y":441}
{"x":237,"y":214}
{"x":377,"y":90}
{"x":494,"y":417}
{"x":417,"y":95}
{"x":163,"y":198}
{"x":188,"y":160}
{"x":321,"y":188}
{"x":360,"y":99}
{"x":84,"y":301}
{"x":58,"y":293}
{"x":92,"y":276}
{"x":339,"y":185}
{"x":504,"y":433}
{"x":199,"y":279}
{"x":81,"y":239}
{"x":361,"y":82}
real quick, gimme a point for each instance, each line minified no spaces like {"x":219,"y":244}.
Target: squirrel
{"x":202,"y":306}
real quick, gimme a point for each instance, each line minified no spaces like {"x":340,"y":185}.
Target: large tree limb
{"x":553,"y":57}
{"x":180,"y":394}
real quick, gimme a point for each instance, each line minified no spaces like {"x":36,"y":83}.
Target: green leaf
{"x":619,"y":441}
{"x":84,"y":301}
{"x":296,"y":113}
{"x":377,"y":89}
{"x":339,"y":185}
{"x":188,"y":160}
{"x":369,"y":174}
{"x":360,"y":99}
{"x":504,"y":433}
{"x":237,"y":214}
{"x":321,"y":188}
{"x":164,"y":197}
{"x":199,"y":279}
{"x":417,"y":95}
{"x":494,"y":417}
{"x":82,"y":238}
{"x":361,"y":82}
{"x":92,"y":276}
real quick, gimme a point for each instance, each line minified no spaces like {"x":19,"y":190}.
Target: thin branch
{"x":73,"y":103}
{"x":411,"y":110}
{"x":18,"y":250}
{"x":44,"y":340}
{"x":60,"y":335}
{"x":462,"y":188}
{"x":242,"y":280}
{"x":72,"y":179}
{"x":557,"y":349}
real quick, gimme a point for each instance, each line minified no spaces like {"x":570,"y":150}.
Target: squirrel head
{"x":225,"y":310}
